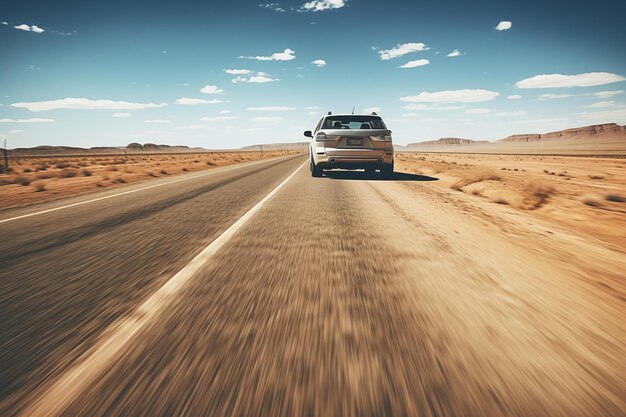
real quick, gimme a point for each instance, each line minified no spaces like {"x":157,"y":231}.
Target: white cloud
{"x":190,"y":127}
{"x":225,"y":111}
{"x":603,"y":104}
{"x":194,"y":101}
{"x":276,"y":119}
{"x":218,"y":118}
{"x":416,"y":63}
{"x":415,"y":106}
{"x":85,"y":104}
{"x":15,"y":131}
{"x":5,"y":23}
{"x":514,"y":97}
{"x":256,"y":79}
{"x":607,"y":116}
{"x":402,"y":49}
{"x":237,"y":71}
{"x":504,"y":25}
{"x":607,"y":94}
{"x":454,"y":53}
{"x":554,"y":96}
{"x":319,"y":63}
{"x":477,"y":111}
{"x":121,"y":115}
{"x":588,"y":79}
{"x":158,"y":121}
{"x":311,"y":113}
{"x":286,"y":55}
{"x":312,"y":108}
{"x":372,"y":110}
{"x":511,"y":113}
{"x":211,"y":89}
{"x":26,"y":28}
{"x":452,"y":96}
{"x":270,"y":108}
{"x":274,"y":6}
{"x":321,"y":5}
{"x":32,"y":120}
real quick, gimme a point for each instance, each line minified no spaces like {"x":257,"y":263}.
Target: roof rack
{"x":329,"y":113}
{"x":374,"y":113}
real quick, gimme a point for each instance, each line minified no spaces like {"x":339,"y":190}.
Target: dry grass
{"x":558,"y":189}
{"x":66,"y":176}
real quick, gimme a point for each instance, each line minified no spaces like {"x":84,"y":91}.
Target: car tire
{"x":315,"y":170}
{"x":388,"y":170}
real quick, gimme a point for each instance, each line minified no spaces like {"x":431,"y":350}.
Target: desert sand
{"x":38,"y":178}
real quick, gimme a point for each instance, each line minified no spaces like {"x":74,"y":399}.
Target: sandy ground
{"x":40,"y":179}
{"x":586,"y":195}
{"x":345,"y":295}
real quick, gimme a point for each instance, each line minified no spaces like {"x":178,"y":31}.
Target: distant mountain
{"x":446,"y":141}
{"x":295,"y":146}
{"x":586,"y":132}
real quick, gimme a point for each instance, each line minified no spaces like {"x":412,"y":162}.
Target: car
{"x":351,"y":141}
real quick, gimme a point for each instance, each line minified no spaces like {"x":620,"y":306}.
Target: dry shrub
{"x":21,"y":181}
{"x":87,"y":173}
{"x":152,"y":174}
{"x":40,"y":188}
{"x":596,"y":177}
{"x":474,"y":177}
{"x":43,"y":176}
{"x":614,"y":198}
{"x":210,"y":163}
{"x":68,"y":173}
{"x":42,"y":167}
{"x":185,"y":169}
{"x":62,"y":165}
{"x":112,"y":168}
{"x":164,"y":172}
{"x":27,"y":170}
{"x":536,"y":196}
{"x":591,"y":200}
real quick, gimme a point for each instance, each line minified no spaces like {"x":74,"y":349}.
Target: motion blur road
{"x":336,"y":296}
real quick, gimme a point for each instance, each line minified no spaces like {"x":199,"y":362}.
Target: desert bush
{"x":596,"y":177}
{"x":21,"y":181}
{"x":42,"y":167}
{"x":87,"y":173}
{"x":536,"y":195}
{"x":62,"y":165}
{"x":27,"y":170}
{"x":112,"y":168}
{"x":40,"y":188}
{"x":472,"y":178}
{"x":68,"y":173}
{"x":614,"y":198}
{"x":164,"y":172}
{"x":43,"y":176}
{"x":185,"y":169}
{"x":152,"y":174}
{"x":210,"y":163}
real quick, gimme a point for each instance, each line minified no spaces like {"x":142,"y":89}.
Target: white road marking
{"x":94,"y":362}
{"x":134,"y":191}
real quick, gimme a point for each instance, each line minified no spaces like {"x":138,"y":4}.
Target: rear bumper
{"x":361,"y":158}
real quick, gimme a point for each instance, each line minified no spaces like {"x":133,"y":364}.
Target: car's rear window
{"x":353,"y":122}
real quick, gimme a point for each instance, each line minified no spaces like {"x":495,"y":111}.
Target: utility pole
{"x":261,"y":149}
{"x":5,"y":168}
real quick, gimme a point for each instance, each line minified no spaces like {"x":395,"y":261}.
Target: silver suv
{"x":351,"y":141}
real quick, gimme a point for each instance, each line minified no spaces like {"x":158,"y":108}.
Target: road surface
{"x":256,"y":290}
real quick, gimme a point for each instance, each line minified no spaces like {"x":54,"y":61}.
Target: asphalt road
{"x":335,"y":296}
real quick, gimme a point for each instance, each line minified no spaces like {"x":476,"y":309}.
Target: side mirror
{"x":308,"y":134}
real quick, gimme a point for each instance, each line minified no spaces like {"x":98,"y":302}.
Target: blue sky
{"x":109,"y":73}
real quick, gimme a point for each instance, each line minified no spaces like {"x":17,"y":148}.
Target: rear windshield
{"x":353,"y":122}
